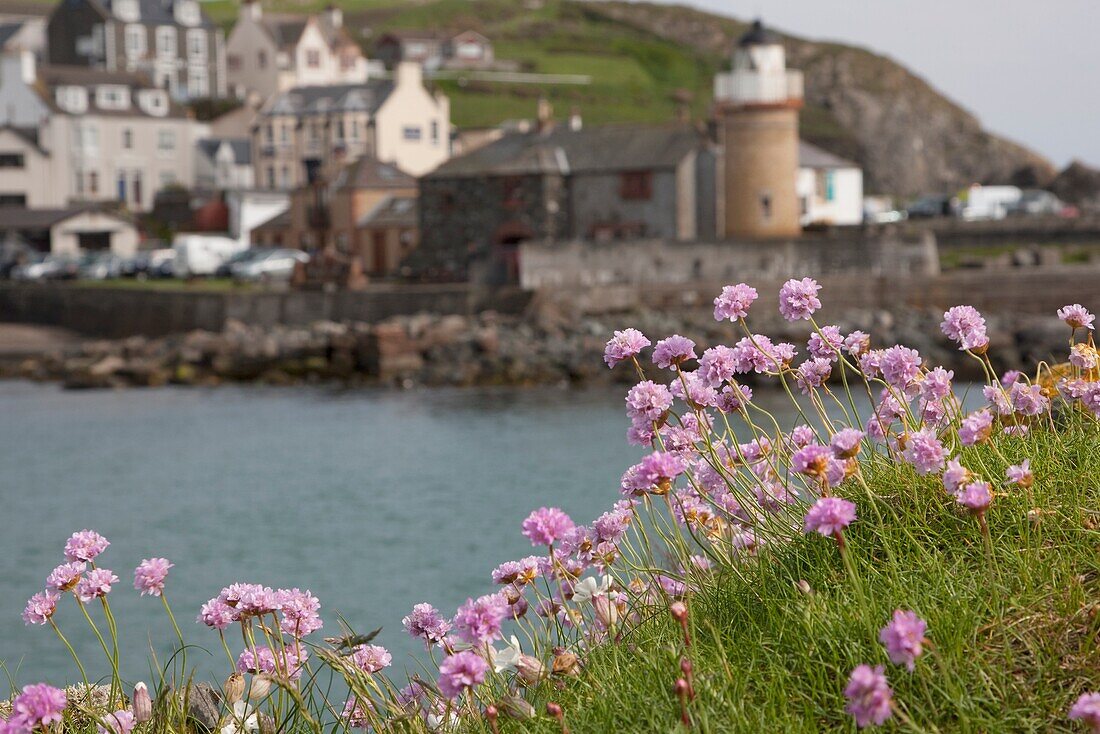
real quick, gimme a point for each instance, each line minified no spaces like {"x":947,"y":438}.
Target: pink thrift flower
{"x":976,"y":497}
{"x":217,"y":614}
{"x":40,"y":607}
{"x":798,"y":299}
{"x":357,"y":713}
{"x":624,"y":345}
{"x":900,"y":366}
{"x":924,"y":452}
{"x":1077,"y":316}
{"x":286,"y":661}
{"x":426,"y":623}
{"x":827,"y":344}
{"x":734,"y":301}
{"x":1020,"y":474}
{"x":657,"y":470}
{"x":964,"y":325}
{"x":674,"y":350}
{"x":371,"y":658}
{"x":869,"y":696}
{"x":717,"y":365}
{"x":733,"y":398}
{"x":1083,"y":357}
{"x":829,"y":516}
{"x":954,"y":476}
{"x":845,"y":442}
{"x":903,"y":638}
{"x":812,"y":374}
{"x":65,"y":576}
{"x":546,"y":525}
{"x":150,"y":574}
{"x":38,"y":705}
{"x":460,"y":672}
{"x":85,"y":545}
{"x":811,"y":460}
{"x":976,"y":428}
{"x":1028,"y":399}
{"x":1087,"y":710}
{"x":117,"y":722}
{"x":648,"y":402}
{"x":857,"y":343}
{"x":478,"y":621}
{"x":301,"y":612}
{"x":95,"y":585}
{"x":936,"y":384}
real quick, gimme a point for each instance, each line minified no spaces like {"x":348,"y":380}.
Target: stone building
{"x":598,"y":183}
{"x":172,"y":41}
{"x":308,"y":133}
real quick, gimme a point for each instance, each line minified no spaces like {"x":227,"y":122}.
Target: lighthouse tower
{"x":757,"y":105}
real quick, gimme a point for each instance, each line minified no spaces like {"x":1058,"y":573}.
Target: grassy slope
{"x":1013,"y":642}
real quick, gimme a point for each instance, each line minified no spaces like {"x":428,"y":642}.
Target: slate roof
{"x":811,"y":156}
{"x":241,"y":147}
{"x":393,"y":211}
{"x":277,"y":222}
{"x":50,"y":77}
{"x":28,"y":134}
{"x":7,"y":30}
{"x":159,"y":12}
{"x":602,"y":149}
{"x":368,"y":172}
{"x":367,"y":97}
{"x":285,"y":30}
{"x":20,"y":218}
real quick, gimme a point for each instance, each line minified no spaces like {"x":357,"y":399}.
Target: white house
{"x":70,"y":231}
{"x":309,"y":132}
{"x":224,"y":164}
{"x":830,"y":189}
{"x":267,"y":54}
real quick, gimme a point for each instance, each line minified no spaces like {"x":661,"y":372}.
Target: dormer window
{"x":153,"y":102}
{"x":187,"y":12}
{"x":73,"y":100}
{"x":112,"y":97}
{"x":128,"y":11}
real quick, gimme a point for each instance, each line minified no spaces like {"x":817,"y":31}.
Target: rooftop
{"x":810,"y":156}
{"x":759,"y":35}
{"x":366,"y":97}
{"x":368,"y":172}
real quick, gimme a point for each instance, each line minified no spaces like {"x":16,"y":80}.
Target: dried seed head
{"x":234,"y":688}
{"x":517,"y":707}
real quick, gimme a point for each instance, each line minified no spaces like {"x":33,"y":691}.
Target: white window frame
{"x":166,"y":142}
{"x":112,"y":97}
{"x":136,"y":40}
{"x":196,"y":44}
{"x":198,"y":82}
{"x":167,"y":42}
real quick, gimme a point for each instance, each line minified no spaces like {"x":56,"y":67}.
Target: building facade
{"x":307,"y":134}
{"x":106,"y":137}
{"x":757,"y":107}
{"x":172,"y":41}
{"x":600,"y":184}
{"x":267,"y":54}
{"x":224,"y":164}
{"x":830,"y":189}
{"x":436,"y":49}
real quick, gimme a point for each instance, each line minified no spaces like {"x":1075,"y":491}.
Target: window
{"x":354,"y":129}
{"x":269,"y":134}
{"x":261,"y":59}
{"x":137,"y":188}
{"x":636,"y":185}
{"x":314,"y":131}
{"x":135,"y":41}
{"x":766,"y":205}
{"x":72,"y":99}
{"x":86,"y":139}
{"x":167,"y":178}
{"x":112,"y":97}
{"x":284,"y":177}
{"x":339,"y":129}
{"x":11,"y":160}
{"x":411,"y":132}
{"x":233,"y":62}
{"x":435,"y":132}
{"x":13,"y":200}
{"x":284,"y":134}
{"x":122,"y":186}
{"x":271,"y":177}
{"x":166,"y":42}
{"x":127,"y":139}
{"x":313,"y":58}
{"x":196,"y":44}
{"x":93,"y":183}
{"x":198,"y":83}
{"x":166,"y":141}
{"x":347,"y":62}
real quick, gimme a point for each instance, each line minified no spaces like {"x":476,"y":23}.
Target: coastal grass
{"x":1013,"y":629}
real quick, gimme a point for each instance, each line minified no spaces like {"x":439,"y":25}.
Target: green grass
{"x":1013,"y":640}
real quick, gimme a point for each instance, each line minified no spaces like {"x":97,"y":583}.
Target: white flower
{"x":508,"y":658}
{"x":589,"y":587}
{"x":242,"y":721}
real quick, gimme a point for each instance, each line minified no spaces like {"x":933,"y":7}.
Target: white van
{"x":202,"y":254}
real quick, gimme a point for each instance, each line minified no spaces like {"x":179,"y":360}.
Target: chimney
{"x":334,"y":16}
{"x":408,"y":73}
{"x":252,"y":9}
{"x":27,"y":67}
{"x":545,"y":116}
{"x":575,"y":121}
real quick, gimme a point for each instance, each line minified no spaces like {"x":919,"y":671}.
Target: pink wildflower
{"x":1087,"y":710}
{"x":674,"y":350}
{"x":117,"y":722}
{"x":830,"y":515}
{"x":798,"y":299}
{"x":217,"y":614}
{"x":812,"y":374}
{"x":478,"y":621}
{"x":845,"y":442}
{"x":624,"y":345}
{"x":1020,"y":474}
{"x":964,"y":325}
{"x":1083,"y":357}
{"x":371,"y":658}
{"x":811,"y":460}
{"x":976,"y":428}
{"x":38,"y":705}
{"x":357,"y":713}
{"x":1028,"y":399}
{"x":95,"y":585}
{"x":954,"y":476}
{"x":734,"y":301}
{"x":827,"y":344}
{"x":1077,"y":316}
{"x":300,"y":611}
{"x":40,"y":607}
{"x":648,"y":402}
{"x":733,"y":398}
{"x":426,"y":623}
{"x":869,"y":696}
{"x":460,"y":672}
{"x":924,"y":452}
{"x":65,"y":576}
{"x":546,"y":525}
{"x":975,"y":497}
{"x":717,"y":365}
{"x":857,"y":343}
{"x":150,"y":574}
{"x":900,"y":366}
{"x":903,"y":638}
{"x":85,"y":545}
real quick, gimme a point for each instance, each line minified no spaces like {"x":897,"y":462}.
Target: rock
{"x":106,"y":366}
{"x":204,"y":706}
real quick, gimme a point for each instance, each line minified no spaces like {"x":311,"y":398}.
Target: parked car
{"x":162,"y":263}
{"x":1037,"y":203}
{"x":202,"y":254}
{"x":225,"y":270}
{"x":930,"y":207}
{"x":271,"y":266}
{"x":46,"y":267}
{"x":100,"y":266}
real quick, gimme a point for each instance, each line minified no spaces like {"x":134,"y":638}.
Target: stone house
{"x":100,"y":137}
{"x":308,"y":133}
{"x":269,"y":53}
{"x":599,"y":184}
{"x":172,"y":41}
{"x":366,"y":211}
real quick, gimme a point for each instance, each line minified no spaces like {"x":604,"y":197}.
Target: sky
{"x":1029,"y":69}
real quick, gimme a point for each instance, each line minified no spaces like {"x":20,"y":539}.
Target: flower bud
{"x":681,"y":687}
{"x":553,"y":709}
{"x":143,"y":704}
{"x":679,"y":611}
{"x":234,"y":688}
{"x":607,"y":611}
{"x":685,"y":667}
{"x":529,"y":670}
{"x":517,"y":707}
{"x":261,"y":686}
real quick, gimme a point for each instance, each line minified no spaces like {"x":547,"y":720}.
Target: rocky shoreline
{"x":546,"y":347}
